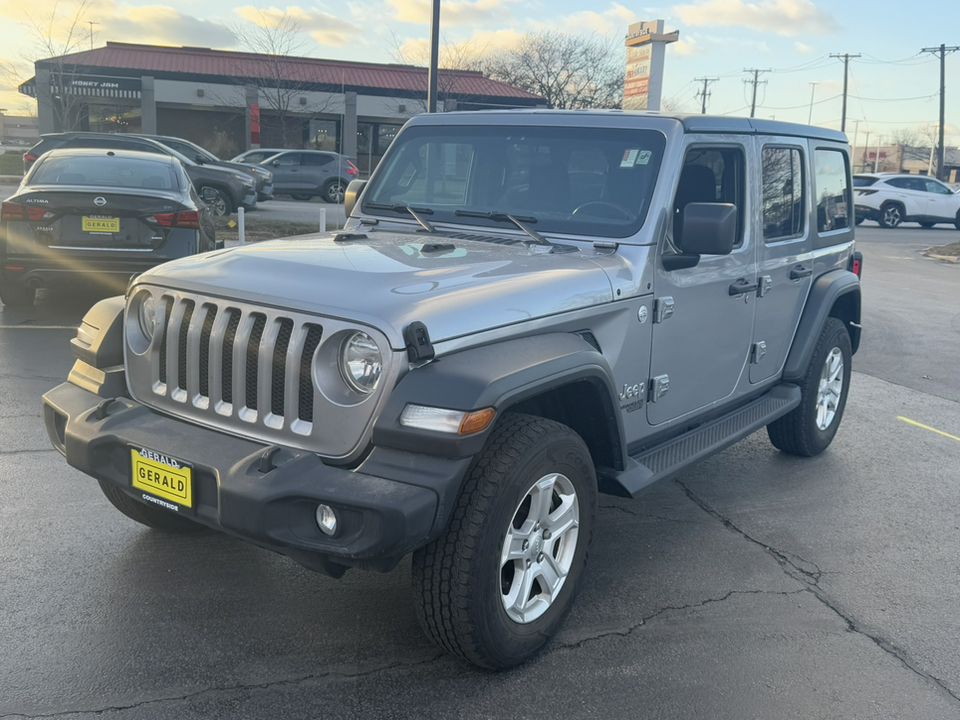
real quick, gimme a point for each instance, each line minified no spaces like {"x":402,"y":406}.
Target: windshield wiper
{"x":416,"y":212}
{"x":519,"y":221}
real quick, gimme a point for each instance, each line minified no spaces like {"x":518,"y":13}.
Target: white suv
{"x":891,"y":199}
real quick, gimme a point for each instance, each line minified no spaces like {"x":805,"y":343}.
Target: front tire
{"x":302,"y":197}
{"x":156,"y":518}
{"x":808,"y":429}
{"x":334,"y":192}
{"x":495,"y":586}
{"x":17,"y":295}
{"x":891,"y":215}
{"x":927,"y":224}
{"x":220,"y":205}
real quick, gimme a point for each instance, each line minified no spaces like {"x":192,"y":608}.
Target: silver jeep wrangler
{"x":523,"y":310}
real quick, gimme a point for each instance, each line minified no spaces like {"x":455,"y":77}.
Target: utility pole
{"x":942,"y":51}
{"x":91,"y":23}
{"x":434,"y":58}
{"x":856,"y":131}
{"x":755,"y":82}
{"x":813,"y":89}
{"x":866,"y":151}
{"x":703,"y":93}
{"x":846,"y":67}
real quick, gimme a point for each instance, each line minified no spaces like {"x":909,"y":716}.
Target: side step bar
{"x":672,"y":456}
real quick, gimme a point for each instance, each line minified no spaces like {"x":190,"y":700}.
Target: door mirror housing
{"x":708,"y":229}
{"x":352,"y":196}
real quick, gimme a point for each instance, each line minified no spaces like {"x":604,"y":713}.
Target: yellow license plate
{"x":163,"y":477}
{"x":103,"y":225}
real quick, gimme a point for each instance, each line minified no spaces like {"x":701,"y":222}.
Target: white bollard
{"x":323,"y":219}
{"x":240,"y":229}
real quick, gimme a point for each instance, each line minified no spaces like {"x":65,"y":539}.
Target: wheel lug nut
{"x":526,"y":544}
{"x":529,"y":563}
{"x":540,"y":558}
{"x":547,"y":534}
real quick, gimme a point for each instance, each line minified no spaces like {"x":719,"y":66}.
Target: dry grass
{"x":951,"y":250}
{"x":257,"y":230}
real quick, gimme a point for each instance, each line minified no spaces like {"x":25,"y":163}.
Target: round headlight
{"x":147,"y":315}
{"x":360,"y":363}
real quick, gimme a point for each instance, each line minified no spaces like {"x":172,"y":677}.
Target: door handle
{"x":742,"y":285}
{"x":800,"y":271}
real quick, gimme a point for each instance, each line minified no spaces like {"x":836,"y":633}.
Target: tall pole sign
{"x":643,"y":85}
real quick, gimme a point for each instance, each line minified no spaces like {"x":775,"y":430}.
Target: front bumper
{"x":249,"y":200}
{"x":265,"y":190}
{"x":266,"y":495}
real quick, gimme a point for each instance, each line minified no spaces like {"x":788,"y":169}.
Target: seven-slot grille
{"x":236,"y":362}
{"x":269,"y":375}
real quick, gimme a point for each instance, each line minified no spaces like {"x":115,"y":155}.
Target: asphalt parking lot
{"x":754,"y":585}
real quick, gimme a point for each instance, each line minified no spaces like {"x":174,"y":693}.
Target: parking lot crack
{"x":238,"y":687}
{"x":27,"y":451}
{"x":794,"y":565}
{"x":810,"y":573}
{"x":648,"y":516}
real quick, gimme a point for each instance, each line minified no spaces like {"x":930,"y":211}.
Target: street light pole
{"x":812,"y":91}
{"x":434,"y":57}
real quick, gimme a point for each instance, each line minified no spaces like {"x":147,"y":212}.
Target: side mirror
{"x":208,"y":194}
{"x":708,"y":229}
{"x":276,"y":163}
{"x":352,"y":196}
{"x":199,"y":159}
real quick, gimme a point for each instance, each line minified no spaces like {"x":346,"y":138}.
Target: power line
{"x":756,"y":75}
{"x":704,"y":94}
{"x":942,"y":50}
{"x":846,"y":65}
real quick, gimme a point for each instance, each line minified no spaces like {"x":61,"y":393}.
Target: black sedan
{"x":97,"y":215}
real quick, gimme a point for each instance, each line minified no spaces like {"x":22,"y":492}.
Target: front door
{"x":287,"y":172}
{"x":702,"y":325}
{"x":785,"y":251}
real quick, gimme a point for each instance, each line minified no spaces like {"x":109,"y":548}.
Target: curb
{"x":945,"y":258}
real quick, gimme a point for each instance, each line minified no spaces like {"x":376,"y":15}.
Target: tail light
{"x":856,"y":263}
{"x":352,"y":169}
{"x":190,"y":219}
{"x":15,"y":211}
{"x":28,"y":160}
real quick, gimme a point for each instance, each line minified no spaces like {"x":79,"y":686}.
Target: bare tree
{"x":454,"y":59}
{"x":567,"y":71}
{"x":275,"y":37}
{"x":54,"y":36}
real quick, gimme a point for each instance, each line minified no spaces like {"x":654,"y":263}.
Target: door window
{"x":932,"y":186}
{"x":783,"y":200}
{"x":317,"y":159}
{"x":833,"y":190}
{"x":287,"y":159}
{"x":712,"y":175}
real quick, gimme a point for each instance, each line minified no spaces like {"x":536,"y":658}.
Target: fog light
{"x":326,"y":519}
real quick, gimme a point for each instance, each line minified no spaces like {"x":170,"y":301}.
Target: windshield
{"x":105,"y":171}
{"x":571,"y":180}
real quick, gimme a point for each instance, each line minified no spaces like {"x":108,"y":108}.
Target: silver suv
{"x":525,"y":309}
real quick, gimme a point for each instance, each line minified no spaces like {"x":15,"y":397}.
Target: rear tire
{"x":334,"y":192}
{"x":17,"y":295}
{"x":858,"y":220}
{"x":927,"y":224}
{"x":891,"y":215}
{"x":495,"y":586}
{"x":155,"y":518}
{"x":809,"y":428}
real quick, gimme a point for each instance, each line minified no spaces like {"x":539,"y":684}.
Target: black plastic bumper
{"x":272,"y":504}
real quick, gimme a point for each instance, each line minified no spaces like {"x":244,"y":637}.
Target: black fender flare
{"x":824,"y":294}
{"x":498,"y":375}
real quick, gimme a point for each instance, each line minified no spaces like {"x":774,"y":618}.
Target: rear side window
{"x":105,"y":172}
{"x":783,"y":200}
{"x":311,"y":159}
{"x":833,"y":191}
{"x":863,"y":181}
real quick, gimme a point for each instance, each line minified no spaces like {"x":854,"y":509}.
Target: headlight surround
{"x":360,"y":363}
{"x":142,"y":320}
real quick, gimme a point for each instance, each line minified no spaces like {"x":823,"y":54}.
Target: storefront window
{"x":325,"y":135}
{"x":115,"y":119}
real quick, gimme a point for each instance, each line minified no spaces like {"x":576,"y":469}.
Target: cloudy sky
{"x":892,"y":85}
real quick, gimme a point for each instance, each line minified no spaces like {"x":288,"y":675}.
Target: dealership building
{"x":231,"y":101}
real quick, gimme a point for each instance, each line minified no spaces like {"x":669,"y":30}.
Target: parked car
{"x":232,"y":188}
{"x":201,"y":156}
{"x":891,"y":199}
{"x":257,"y":155}
{"x":304,"y":174}
{"x":523,"y":310}
{"x":97,"y":214}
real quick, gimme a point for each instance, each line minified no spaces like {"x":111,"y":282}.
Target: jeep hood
{"x":388,"y":280}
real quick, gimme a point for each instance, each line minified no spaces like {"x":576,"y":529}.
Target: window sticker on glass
{"x":644,"y":157}
{"x":629,"y":158}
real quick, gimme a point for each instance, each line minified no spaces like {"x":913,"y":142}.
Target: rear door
{"x":785,"y":252}
{"x":909,"y":191}
{"x":317,"y":169}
